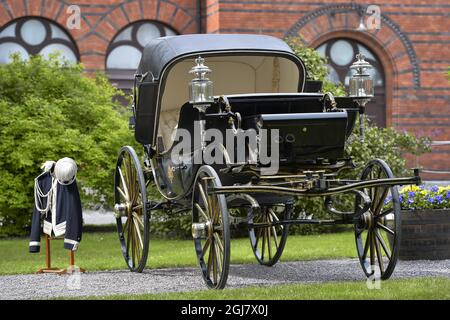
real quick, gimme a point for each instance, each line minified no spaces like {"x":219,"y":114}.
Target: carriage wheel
{"x":131,"y":209}
{"x":268,"y":242}
{"x":378,"y":230}
{"x":210,"y":229}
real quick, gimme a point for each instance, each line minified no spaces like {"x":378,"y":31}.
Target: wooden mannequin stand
{"x":48,"y":260}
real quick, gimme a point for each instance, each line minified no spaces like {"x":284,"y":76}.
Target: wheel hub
{"x":201,"y":230}
{"x":122,"y":209}
{"x":367,"y":220}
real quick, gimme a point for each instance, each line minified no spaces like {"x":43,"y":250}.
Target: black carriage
{"x":263,"y":105}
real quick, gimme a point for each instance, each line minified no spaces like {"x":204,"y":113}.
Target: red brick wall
{"x":413,"y":43}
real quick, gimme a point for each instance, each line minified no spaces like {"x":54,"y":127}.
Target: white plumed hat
{"x":65,"y":171}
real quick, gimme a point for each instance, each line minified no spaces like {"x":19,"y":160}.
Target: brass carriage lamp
{"x":200,"y":88}
{"x":361,"y":88}
{"x":201,"y":94}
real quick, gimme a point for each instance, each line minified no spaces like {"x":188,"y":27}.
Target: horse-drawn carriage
{"x":233,"y":132}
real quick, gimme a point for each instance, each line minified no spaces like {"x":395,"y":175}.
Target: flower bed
{"x":425,"y":223}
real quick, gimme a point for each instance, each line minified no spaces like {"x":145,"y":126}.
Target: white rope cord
{"x":40,"y":196}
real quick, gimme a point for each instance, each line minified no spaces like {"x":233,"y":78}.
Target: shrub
{"x":49,"y":109}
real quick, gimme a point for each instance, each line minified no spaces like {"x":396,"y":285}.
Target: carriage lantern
{"x":200,"y":88}
{"x":361,"y":87}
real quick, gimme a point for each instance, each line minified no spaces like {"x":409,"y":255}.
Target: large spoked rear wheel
{"x":268,"y":242}
{"x":210,"y":228}
{"x":378,"y":230}
{"x":132,"y":216}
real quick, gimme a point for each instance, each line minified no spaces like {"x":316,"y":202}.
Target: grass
{"x":101,"y":251}
{"x":404,"y":289}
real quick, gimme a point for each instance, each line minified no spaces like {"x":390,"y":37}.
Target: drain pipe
{"x":199,"y":16}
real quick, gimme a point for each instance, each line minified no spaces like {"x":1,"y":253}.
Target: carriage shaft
{"x":296,"y":221}
{"x":388,"y":182}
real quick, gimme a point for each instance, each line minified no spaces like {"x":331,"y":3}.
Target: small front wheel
{"x":210,"y":228}
{"x":268,"y":242}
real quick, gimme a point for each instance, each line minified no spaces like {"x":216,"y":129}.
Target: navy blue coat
{"x":64,"y":217}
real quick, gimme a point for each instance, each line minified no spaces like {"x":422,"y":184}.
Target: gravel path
{"x":188,"y":279}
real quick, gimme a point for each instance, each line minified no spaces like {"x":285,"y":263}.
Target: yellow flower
{"x":409,"y":188}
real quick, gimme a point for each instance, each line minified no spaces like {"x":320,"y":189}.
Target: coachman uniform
{"x":57,"y":202}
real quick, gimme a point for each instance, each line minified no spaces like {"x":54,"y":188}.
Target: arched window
{"x":124,"y":52}
{"x":33,"y":35}
{"x":341,"y":54}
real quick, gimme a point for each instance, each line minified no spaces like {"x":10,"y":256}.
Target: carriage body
{"x":260,"y":87}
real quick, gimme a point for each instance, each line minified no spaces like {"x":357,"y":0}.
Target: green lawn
{"x":101,"y":251}
{"x":418,"y":288}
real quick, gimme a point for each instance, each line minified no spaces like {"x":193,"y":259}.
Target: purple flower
{"x":439,"y":198}
{"x":435,"y":188}
{"x":411,"y":194}
{"x":430,"y":199}
{"x":448,"y":195}
{"x":422,"y":187}
{"x":410,"y":201}
{"x":401,"y":198}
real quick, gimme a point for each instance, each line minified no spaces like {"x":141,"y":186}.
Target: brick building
{"x":411,"y":49}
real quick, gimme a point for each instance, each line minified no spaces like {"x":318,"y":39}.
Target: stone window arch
{"x":34,"y":35}
{"x":341,"y":53}
{"x":125,"y":50}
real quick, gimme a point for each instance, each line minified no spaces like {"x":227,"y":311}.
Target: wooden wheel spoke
{"x":127,"y":177}
{"x":274,"y":231}
{"x":379,"y":254}
{"x":259,"y":231}
{"x":383,"y":244}
{"x":372,"y":250}
{"x":218,"y":257}
{"x":269,"y":244}
{"x":384,"y":213}
{"x":122,"y":193}
{"x":374,"y":198}
{"x":214,"y":261}
{"x":209,"y":261}
{"x":206,"y":247}
{"x":366,"y":246}
{"x":382,"y":226}
{"x":202,"y":212}
{"x":138,"y":219}
{"x":381,"y":202}
{"x":219,"y":242}
{"x":126,"y":193}
{"x":204,"y":199}
{"x":213,"y":208}
{"x":127,"y":228}
{"x":138,"y":233}
{"x":263,"y":232}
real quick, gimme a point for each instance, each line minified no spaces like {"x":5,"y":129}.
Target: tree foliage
{"x":316,"y":66}
{"x":50,"y":109}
